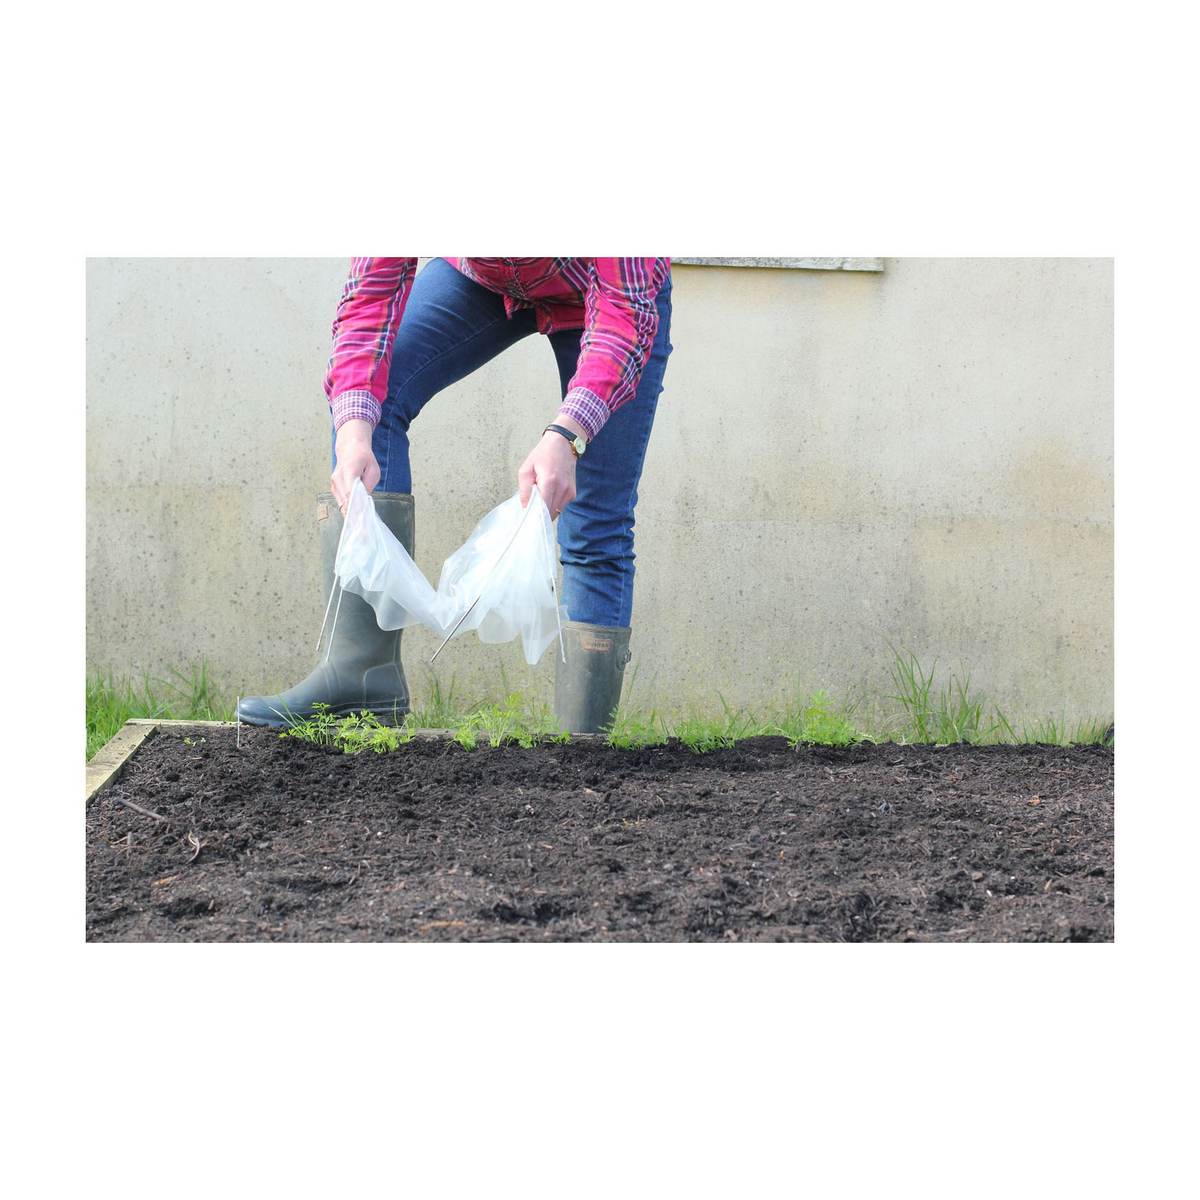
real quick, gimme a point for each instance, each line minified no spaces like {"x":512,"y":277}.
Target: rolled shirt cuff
{"x":355,"y":405}
{"x":587,"y":408}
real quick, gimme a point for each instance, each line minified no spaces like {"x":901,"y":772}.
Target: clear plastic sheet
{"x":500,"y":582}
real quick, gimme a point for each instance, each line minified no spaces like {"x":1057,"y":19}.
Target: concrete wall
{"x":843,"y":461}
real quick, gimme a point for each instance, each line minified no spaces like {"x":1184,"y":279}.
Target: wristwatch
{"x":578,"y":442}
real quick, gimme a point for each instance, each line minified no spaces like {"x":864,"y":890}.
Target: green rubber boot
{"x":359,"y":669}
{"x":587,"y":687}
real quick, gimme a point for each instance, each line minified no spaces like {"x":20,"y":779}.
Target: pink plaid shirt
{"x":610,"y":299}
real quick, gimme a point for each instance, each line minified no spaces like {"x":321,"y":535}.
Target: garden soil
{"x":278,"y":840}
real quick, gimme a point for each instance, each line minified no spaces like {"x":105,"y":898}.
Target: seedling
{"x":354,"y":732}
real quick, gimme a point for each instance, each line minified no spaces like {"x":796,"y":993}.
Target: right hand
{"x":353,"y":459}
{"x":550,"y":467}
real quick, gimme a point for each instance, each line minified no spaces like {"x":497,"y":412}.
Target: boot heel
{"x":587,"y":687}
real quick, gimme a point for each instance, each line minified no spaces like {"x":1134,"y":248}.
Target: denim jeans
{"x":451,"y":326}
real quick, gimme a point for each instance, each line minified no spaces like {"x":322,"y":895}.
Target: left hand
{"x":551,"y":467}
{"x":354,"y":460}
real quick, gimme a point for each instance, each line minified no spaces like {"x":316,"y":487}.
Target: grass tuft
{"x":517,"y":720}
{"x":702,"y":735}
{"x":633,"y":725}
{"x":817,"y":723}
{"x":441,"y":710}
{"x":940,"y":716}
{"x":110,"y":703}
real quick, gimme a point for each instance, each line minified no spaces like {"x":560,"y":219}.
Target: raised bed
{"x":191,"y":837}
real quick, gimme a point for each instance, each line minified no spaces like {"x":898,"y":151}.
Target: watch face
{"x":580,"y":445}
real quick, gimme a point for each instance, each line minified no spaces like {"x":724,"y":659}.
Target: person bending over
{"x":399,"y":338}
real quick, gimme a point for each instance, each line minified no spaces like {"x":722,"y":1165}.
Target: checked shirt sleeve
{"x":620,"y":323}
{"x":364,"y":330}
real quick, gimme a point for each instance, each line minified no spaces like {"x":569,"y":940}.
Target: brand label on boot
{"x":590,"y":641}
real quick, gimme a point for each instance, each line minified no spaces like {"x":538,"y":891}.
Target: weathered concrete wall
{"x":843,"y":461}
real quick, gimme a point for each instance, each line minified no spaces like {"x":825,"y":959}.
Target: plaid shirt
{"x":610,"y":299}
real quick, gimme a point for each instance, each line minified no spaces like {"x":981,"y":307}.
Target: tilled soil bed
{"x":283,"y":841}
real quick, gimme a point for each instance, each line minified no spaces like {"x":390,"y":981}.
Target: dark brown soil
{"x":283,"y":841}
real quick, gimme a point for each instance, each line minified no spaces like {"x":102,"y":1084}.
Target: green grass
{"x":440,"y":710}
{"x":110,"y":703}
{"x":633,"y":724}
{"x":703,"y":734}
{"x":516,"y":720}
{"x":818,"y":722}
{"x":633,"y":727}
{"x":933,"y":710}
{"x":948,"y":714}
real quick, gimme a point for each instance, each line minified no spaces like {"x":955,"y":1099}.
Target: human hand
{"x":354,"y":459}
{"x":551,"y":467}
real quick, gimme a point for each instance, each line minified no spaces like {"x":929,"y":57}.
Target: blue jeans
{"x":451,"y":327}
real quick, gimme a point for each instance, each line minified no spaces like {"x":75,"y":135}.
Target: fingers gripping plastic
{"x":500,"y":582}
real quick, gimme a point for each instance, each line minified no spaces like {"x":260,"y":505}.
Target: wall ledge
{"x":801,"y":264}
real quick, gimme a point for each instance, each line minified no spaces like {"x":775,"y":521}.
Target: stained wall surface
{"x":845,"y":463}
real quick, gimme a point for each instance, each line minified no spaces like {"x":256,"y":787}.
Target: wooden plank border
{"x":105,"y":766}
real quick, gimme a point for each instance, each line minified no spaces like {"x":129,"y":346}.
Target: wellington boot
{"x":359,"y":668}
{"x":587,"y":687}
